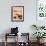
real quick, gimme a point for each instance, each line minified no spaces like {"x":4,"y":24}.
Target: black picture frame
{"x":18,"y":12}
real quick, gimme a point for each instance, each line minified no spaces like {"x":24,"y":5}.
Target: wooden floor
{"x":13,"y":44}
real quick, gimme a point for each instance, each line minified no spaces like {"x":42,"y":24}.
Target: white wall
{"x":29,"y":15}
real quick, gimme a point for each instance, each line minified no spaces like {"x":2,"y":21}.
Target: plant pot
{"x":42,"y":40}
{"x":38,"y":40}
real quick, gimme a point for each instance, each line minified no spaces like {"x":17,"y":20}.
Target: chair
{"x":25,"y":37}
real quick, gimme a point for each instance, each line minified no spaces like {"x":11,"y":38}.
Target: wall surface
{"x":29,"y":15}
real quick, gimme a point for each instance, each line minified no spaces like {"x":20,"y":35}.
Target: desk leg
{"x":5,"y":40}
{"x":5,"y":43}
{"x":17,"y":40}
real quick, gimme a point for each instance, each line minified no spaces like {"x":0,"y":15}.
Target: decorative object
{"x":14,"y":30}
{"x":17,"y":13}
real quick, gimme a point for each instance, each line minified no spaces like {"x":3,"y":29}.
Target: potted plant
{"x":39,"y":35}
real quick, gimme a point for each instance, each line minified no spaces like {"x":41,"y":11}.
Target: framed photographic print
{"x":41,"y":12}
{"x":17,"y":13}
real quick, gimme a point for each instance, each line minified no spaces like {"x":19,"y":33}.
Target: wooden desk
{"x":22,"y":34}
